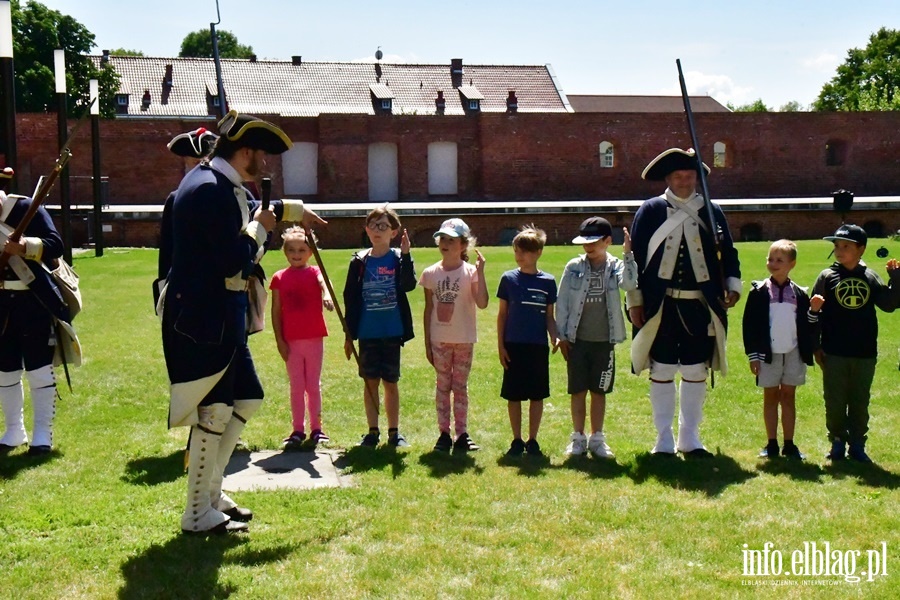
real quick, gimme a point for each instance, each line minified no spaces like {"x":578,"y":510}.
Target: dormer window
{"x":474,"y":104}
{"x":122,"y":99}
{"x":382,"y":98}
{"x":471,"y":98}
{"x":386,"y":104}
{"x":215,"y":101}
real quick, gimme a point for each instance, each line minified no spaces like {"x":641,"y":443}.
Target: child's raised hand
{"x":479,"y":262}
{"x":328,"y":303}
{"x":626,"y":244}
{"x":816,"y":302}
{"x":404,"y":242}
{"x":892,"y":265}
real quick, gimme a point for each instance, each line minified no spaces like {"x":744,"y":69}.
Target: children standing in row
{"x":590,"y":323}
{"x":778,"y":343}
{"x":378,"y":315}
{"x":298,"y":295}
{"x":524,"y":320}
{"x":846,"y":336}
{"x":453,"y":290}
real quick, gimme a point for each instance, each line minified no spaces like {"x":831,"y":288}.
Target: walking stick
{"x":372,"y":396}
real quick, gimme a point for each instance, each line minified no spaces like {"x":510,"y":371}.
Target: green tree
{"x":756,"y":106}
{"x":198,"y":44}
{"x":125,"y":52}
{"x":869,"y":79}
{"x":37,"y":31}
{"x":792,"y":106}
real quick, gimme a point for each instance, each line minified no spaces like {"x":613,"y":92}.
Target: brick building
{"x":504,"y":141}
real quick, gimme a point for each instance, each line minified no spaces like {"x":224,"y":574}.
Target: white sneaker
{"x":597,"y":446}
{"x":578,"y":444}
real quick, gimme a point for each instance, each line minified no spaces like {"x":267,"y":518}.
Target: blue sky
{"x":735,"y":51}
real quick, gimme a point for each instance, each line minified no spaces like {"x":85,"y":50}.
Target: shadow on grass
{"x":871,"y":474}
{"x":360,"y":459}
{"x":188,"y":567}
{"x":595,"y":467}
{"x":708,"y":475}
{"x":12,"y":463}
{"x":441,"y":464}
{"x":529,"y":466}
{"x":800,"y":470}
{"x":285,"y":462}
{"x":153,"y":470}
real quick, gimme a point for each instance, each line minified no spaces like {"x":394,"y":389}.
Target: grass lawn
{"x":99,"y":518}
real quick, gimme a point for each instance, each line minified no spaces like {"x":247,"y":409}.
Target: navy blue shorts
{"x":528,"y":374}
{"x":380,"y":359}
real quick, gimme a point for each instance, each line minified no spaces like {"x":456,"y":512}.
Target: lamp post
{"x":59,"y":69}
{"x":8,"y":92}
{"x":95,"y":153}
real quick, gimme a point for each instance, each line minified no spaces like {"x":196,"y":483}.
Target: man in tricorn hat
{"x":30,"y":306}
{"x":218,"y":233}
{"x":684,"y":290}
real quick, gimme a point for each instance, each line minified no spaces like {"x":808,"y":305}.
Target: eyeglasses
{"x":379,"y":226}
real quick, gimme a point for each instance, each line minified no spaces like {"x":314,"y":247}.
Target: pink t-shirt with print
{"x":453,"y":317}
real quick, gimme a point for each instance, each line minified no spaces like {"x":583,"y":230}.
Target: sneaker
{"x":319,"y":437}
{"x":792,"y":451}
{"x":597,"y":446}
{"x":577,"y":444}
{"x":397,"y":440}
{"x":370,"y":440}
{"x":295,"y":439}
{"x":517,"y":448}
{"x":771,"y":451}
{"x":464,"y":443}
{"x":857,"y":452}
{"x":533,"y":448}
{"x":838,"y":450}
{"x":444,"y":442}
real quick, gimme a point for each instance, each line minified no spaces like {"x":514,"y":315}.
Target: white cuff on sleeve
{"x":293,"y":210}
{"x":734,"y":285}
{"x":255,"y":230}
{"x":634,"y":298}
{"x":34,"y":248}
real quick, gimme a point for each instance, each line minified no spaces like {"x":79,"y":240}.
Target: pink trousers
{"x":452,"y":363}
{"x":304,"y":368}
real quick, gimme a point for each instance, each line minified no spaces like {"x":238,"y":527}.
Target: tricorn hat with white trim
{"x":247,"y":131}
{"x":193,"y":144}
{"x":673,"y":159}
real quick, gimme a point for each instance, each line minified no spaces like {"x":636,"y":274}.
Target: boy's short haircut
{"x":786,"y":247}
{"x":530,"y":239}
{"x":296,"y":234}
{"x":384,"y":210}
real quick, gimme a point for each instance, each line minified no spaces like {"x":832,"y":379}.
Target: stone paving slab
{"x":277,"y":470}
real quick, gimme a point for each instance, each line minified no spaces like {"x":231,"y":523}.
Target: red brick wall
{"x":548,"y":157}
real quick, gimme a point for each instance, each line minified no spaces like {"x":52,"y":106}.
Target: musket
{"x":311,"y":241}
{"x":704,"y":186}
{"x":46,"y":185}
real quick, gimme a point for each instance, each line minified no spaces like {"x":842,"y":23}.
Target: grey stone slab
{"x":277,"y":470}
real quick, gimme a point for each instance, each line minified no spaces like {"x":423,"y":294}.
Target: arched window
{"x":607,"y":155}
{"x":719,"y":155}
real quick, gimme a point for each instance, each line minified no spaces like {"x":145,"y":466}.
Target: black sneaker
{"x":464,"y":443}
{"x":533,"y":448}
{"x":397,"y":440}
{"x":295,"y":439}
{"x":517,"y":448}
{"x":857,"y":452}
{"x":838,"y":450}
{"x":319,"y":437}
{"x":771,"y":451}
{"x":444,"y":442}
{"x":370,"y":440}
{"x":792,"y":451}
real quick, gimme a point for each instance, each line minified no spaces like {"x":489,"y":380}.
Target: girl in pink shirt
{"x":453,"y":290}
{"x":298,"y":295}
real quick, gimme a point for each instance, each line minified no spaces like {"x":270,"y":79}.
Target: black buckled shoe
{"x":240,"y":514}
{"x":231,"y":526}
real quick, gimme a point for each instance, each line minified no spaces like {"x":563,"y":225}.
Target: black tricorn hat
{"x":673,"y":159}
{"x":193,"y":144}
{"x":247,"y":131}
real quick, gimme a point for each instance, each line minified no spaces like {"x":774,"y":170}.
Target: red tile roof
{"x":644,"y":104}
{"x":271,"y":87}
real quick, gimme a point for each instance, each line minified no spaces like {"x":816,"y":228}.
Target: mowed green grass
{"x":100,"y":517}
